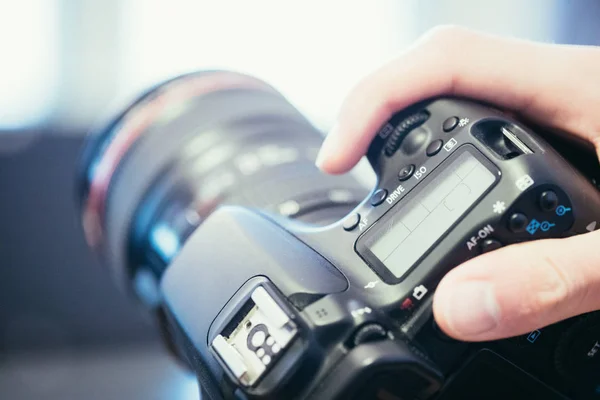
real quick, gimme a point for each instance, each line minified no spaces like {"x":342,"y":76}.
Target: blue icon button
{"x":545,"y":226}
{"x":533,"y":226}
{"x":562,"y":210}
{"x":533,"y":336}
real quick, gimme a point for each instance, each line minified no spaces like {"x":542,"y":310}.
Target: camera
{"x":273,"y":281}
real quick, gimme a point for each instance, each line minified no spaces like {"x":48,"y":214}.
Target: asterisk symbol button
{"x":499,"y":207}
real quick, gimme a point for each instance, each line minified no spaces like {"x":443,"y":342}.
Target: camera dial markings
{"x":361,"y":311}
{"x":371,"y":285}
{"x":562,"y":210}
{"x":483,"y":233}
{"x":450,"y":144}
{"x":363,"y":224}
{"x":395,"y":195}
{"x":499,"y":207}
{"x":386,"y":130}
{"x":594,"y":350}
{"x":524,"y":182}
{"x":419,"y":292}
{"x":463,"y":122}
{"x":407,"y":304}
{"x":533,"y":336}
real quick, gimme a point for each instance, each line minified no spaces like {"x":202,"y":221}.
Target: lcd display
{"x":418,"y":223}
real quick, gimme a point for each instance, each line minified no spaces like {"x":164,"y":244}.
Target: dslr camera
{"x":273,"y":281}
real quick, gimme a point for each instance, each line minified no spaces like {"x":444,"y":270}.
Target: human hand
{"x":519,"y":288}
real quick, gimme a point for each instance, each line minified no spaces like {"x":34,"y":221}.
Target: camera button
{"x":490,"y":245}
{"x":434,"y":147}
{"x":406,"y":172}
{"x":518,"y":222}
{"x":351,"y":222}
{"x":548,"y":201}
{"x":326,"y":311}
{"x":449,"y":124}
{"x":378,"y":197}
{"x":415,"y":141}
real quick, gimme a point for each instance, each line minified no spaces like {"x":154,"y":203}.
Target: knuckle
{"x":553,"y":287}
{"x":596,"y":139}
{"x":439,"y":46}
{"x":443,"y":35}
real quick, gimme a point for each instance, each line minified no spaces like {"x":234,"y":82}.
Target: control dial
{"x":369,"y":333}
{"x":403,"y":129}
{"x":577,"y":355}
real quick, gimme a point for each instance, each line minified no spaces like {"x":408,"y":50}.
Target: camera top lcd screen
{"x":418,"y":224}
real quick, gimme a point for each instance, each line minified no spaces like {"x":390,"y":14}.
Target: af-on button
{"x":490,"y":245}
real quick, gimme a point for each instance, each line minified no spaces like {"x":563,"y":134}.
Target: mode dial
{"x":403,"y":129}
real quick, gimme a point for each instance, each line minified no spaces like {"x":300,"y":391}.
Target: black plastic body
{"x":186,"y":146}
{"x":325,"y":276}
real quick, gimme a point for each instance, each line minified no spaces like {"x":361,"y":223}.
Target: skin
{"x":518,"y":288}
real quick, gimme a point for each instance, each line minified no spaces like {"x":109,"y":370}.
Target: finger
{"x":520,"y":288}
{"x":536,"y":80}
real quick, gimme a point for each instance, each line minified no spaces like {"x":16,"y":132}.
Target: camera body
{"x":264,"y":307}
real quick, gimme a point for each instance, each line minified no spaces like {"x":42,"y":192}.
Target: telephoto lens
{"x":153,"y":173}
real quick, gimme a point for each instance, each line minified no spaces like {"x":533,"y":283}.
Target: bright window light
{"x":28,"y":62}
{"x":313,"y":51}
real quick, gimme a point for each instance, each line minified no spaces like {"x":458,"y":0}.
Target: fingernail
{"x":471,"y":309}
{"x":327,"y":147}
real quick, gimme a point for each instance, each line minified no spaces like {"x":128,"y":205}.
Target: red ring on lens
{"x":136,"y":122}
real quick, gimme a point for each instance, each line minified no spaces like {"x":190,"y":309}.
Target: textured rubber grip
{"x":403,"y":128}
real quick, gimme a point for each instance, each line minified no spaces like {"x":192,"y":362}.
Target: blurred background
{"x":66,"y":332}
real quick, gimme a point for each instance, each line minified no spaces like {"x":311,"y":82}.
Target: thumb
{"x":520,"y":288}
